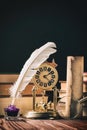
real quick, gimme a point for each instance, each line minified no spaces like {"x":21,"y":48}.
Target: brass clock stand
{"x":39,"y":109}
{"x":43,"y":110}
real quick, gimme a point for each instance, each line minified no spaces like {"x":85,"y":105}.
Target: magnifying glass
{"x":75,"y":107}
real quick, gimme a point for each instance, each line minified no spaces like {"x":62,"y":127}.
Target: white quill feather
{"x":29,"y":69}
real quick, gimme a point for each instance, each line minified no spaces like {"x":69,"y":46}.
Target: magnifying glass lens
{"x":68,"y":109}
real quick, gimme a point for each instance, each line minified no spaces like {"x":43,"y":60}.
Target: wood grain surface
{"x":35,"y":124}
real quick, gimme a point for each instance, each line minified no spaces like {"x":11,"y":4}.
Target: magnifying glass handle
{"x":82,"y":100}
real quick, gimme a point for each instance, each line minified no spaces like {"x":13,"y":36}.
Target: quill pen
{"x":30,"y":68}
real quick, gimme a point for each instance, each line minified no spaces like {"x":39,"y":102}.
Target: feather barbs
{"x":29,"y":69}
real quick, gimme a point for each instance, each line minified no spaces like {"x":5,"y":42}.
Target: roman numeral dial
{"x":46,"y":76}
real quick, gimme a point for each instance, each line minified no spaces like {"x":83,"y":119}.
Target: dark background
{"x":25,"y":26}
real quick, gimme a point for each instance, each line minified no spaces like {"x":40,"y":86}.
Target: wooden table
{"x":37,"y":124}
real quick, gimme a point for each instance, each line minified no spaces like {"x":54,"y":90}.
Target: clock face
{"x":46,"y":76}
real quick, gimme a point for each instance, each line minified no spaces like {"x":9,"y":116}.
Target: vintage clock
{"x":46,"y":76}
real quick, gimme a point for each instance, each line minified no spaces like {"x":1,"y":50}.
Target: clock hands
{"x":48,"y":74}
{"x":45,"y":76}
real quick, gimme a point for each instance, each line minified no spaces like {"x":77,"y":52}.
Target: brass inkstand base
{"x":41,"y":115}
{"x":36,"y":115}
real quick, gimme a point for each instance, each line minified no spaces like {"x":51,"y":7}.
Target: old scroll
{"x":74,"y":90}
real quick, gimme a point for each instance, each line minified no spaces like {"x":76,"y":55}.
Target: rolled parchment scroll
{"x":74,"y":83}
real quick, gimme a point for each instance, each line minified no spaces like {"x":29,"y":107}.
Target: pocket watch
{"x":46,"y":76}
